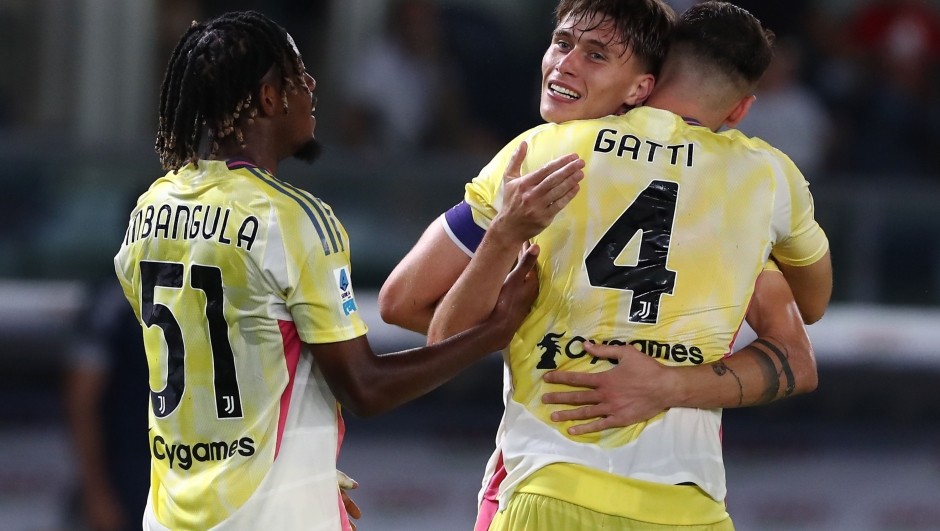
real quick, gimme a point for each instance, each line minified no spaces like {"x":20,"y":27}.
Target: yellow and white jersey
{"x":230,"y":272}
{"x":660,"y":250}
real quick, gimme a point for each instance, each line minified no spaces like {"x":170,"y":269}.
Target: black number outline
{"x":653,"y":211}
{"x":208,"y":279}
{"x":165,"y":275}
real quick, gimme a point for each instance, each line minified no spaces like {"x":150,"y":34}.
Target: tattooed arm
{"x":778,"y":364}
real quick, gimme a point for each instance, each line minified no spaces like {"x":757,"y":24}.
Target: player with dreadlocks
{"x":207,"y":91}
{"x":241,"y":283}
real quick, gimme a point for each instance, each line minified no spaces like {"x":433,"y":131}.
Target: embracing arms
{"x":418,"y":285}
{"x":369,"y":384}
{"x":778,"y":364}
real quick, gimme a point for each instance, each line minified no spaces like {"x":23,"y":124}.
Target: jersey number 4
{"x":653,"y":212}
{"x":207,"y":279}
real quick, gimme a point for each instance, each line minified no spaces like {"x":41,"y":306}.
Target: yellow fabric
{"x":533,"y":512}
{"x":770,"y":265}
{"x":737,"y":198}
{"x":279,"y":252}
{"x":626,"y":497}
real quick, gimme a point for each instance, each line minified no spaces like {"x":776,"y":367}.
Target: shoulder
{"x":759,"y":149}
{"x":738,"y":140}
{"x":527,"y":136}
{"x":573,"y":127}
{"x":160,"y":187}
{"x":301,"y":214}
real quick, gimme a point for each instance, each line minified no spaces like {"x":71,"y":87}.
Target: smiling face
{"x":588,"y":73}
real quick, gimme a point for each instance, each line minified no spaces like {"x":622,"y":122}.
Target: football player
{"x":599,"y":297}
{"x":242,"y":285}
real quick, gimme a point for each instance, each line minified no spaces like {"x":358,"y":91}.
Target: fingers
{"x":610,"y":352}
{"x":592,"y":427}
{"x":561,"y":181}
{"x":574,"y":379}
{"x":522,"y":252}
{"x":526,"y":262}
{"x":345,"y":482}
{"x":514,"y":168}
{"x":559,"y":204}
{"x":581,"y":413}
{"x":571,"y":398}
{"x":351,"y":506}
{"x":556,"y":169}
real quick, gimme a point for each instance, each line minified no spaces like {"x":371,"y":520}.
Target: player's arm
{"x":530,"y":203}
{"x":411,"y":293}
{"x":811,"y":286}
{"x":369,"y":384}
{"x":780,"y":363}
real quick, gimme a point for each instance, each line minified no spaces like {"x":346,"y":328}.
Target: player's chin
{"x":309,"y":151}
{"x":553,"y":112}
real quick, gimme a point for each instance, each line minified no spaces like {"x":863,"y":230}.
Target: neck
{"x":682,"y":105}
{"x":258,"y":150}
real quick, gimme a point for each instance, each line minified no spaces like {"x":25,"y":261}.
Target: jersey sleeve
{"x":484,"y":194}
{"x":459,"y":225}
{"x":317,"y":277}
{"x":799,"y":240}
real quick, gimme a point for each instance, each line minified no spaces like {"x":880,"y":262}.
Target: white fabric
{"x":300,"y":492}
{"x":684,"y":446}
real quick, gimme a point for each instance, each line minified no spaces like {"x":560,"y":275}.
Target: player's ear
{"x":641,"y":90}
{"x":269,"y":99}
{"x":269,"y":93}
{"x":740,"y":111}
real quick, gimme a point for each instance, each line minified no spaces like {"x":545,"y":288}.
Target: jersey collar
{"x":235,"y":164}
{"x":692,"y":121}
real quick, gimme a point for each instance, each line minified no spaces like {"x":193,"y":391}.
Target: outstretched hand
{"x":531,"y":201}
{"x":637,"y":389}
{"x":518,"y":293}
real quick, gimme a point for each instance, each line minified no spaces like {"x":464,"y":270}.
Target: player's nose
{"x":567,"y":63}
{"x":311,"y":83}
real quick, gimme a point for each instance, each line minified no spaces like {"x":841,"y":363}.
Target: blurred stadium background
{"x":414,"y":97}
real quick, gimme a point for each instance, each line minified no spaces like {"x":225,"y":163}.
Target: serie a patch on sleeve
{"x":343,"y":284}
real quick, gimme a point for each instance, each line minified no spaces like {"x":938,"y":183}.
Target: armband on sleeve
{"x":459,"y":224}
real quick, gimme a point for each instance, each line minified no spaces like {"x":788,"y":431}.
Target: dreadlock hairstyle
{"x":212,"y":74}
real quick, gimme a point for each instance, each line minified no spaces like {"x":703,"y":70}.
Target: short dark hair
{"x":213,"y":71}
{"x":728,"y":37}
{"x":642,"y":26}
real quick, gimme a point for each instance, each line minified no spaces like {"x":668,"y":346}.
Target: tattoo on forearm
{"x":721,"y":369}
{"x":784,"y":364}
{"x":771,"y":376}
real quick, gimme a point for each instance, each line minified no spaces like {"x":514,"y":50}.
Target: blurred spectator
{"x":901,"y":30}
{"x":787,"y":114}
{"x":106,"y":396}
{"x":404,"y":93}
{"x":897,"y":126}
